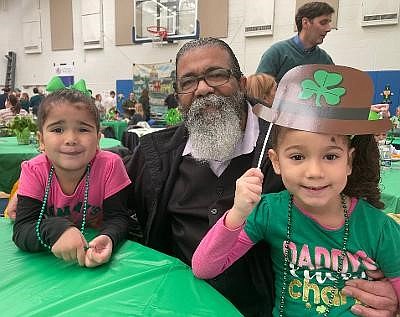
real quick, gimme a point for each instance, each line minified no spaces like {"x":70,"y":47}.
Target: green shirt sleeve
{"x":388,"y":255}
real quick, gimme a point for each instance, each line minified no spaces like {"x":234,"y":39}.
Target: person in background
{"x":145,"y":101}
{"x":171,"y":101}
{"x":139,"y":114}
{"x":99,"y":105}
{"x":110,"y":101}
{"x":382,"y":109}
{"x":313,"y":21}
{"x":330,"y":213}
{"x":35,"y":100}
{"x":17,"y":93}
{"x":262,"y":87}
{"x":3,"y":97}
{"x":74,"y":188}
{"x":381,"y":139}
{"x":396,"y":118}
{"x":184,"y":177}
{"x":128,"y":105}
{"x":24,"y":100}
{"x":13,"y":108}
{"x":91,"y":94}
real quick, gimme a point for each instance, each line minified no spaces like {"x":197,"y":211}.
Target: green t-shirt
{"x":283,"y":56}
{"x":373,"y":243}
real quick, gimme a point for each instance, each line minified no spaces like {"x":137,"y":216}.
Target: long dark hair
{"x":365,"y":176}
{"x":15,"y":105}
{"x":363,"y":182}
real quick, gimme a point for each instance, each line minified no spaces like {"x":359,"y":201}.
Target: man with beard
{"x":313,"y":24}
{"x":183,"y":178}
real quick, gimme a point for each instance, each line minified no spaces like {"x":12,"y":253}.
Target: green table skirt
{"x":390,"y":188}
{"x":118,"y":126}
{"x":137,"y":282}
{"x":13,"y":154}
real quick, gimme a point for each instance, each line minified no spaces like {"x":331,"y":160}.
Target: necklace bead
{"x":44,"y":204}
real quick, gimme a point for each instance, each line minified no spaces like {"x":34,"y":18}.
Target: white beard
{"x":214,"y":125}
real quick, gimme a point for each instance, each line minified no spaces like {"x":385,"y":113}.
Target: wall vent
{"x":259,"y":17}
{"x":380,"y":12}
{"x":92,"y":24}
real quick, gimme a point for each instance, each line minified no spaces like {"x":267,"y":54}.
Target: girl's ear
{"x":98,"y":140}
{"x":41,"y":142}
{"x":350,"y":160}
{"x":273,"y":156}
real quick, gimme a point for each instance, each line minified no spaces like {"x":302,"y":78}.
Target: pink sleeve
{"x":32,"y":181}
{"x":117,"y":177}
{"x":219,"y":249}
{"x":396,"y":285}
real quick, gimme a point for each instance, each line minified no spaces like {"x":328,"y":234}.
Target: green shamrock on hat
{"x":323,"y":86}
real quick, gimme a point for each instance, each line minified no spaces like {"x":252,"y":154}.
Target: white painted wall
{"x":368,"y":48}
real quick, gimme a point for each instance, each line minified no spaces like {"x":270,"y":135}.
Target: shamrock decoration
{"x":320,"y":309}
{"x":321,"y":87}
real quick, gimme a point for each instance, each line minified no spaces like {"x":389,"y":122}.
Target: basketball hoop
{"x":159,"y":35}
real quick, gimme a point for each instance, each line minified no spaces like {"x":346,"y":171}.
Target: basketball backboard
{"x":177,"y":17}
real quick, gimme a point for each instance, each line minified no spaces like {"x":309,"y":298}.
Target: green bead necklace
{"x":341,"y":257}
{"x":46,"y":196}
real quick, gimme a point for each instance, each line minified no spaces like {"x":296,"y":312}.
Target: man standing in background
{"x":110,"y":102}
{"x":35,"y":100}
{"x":313,"y":21}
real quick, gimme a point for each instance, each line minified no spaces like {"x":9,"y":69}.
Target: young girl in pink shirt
{"x":71,"y":185}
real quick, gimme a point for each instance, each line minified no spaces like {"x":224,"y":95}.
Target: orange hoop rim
{"x":158,"y":30}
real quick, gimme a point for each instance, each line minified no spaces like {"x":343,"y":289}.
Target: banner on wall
{"x":66,"y":72}
{"x":158,"y":79}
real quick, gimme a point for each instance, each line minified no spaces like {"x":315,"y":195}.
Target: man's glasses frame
{"x":213,"y":78}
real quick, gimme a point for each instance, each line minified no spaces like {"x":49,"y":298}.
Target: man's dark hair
{"x":210,"y":42}
{"x":35,"y":90}
{"x":310,"y":11}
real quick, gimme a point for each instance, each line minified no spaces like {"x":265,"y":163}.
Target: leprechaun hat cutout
{"x":329,"y":99}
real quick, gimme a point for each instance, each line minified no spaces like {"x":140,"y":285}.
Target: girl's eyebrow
{"x":63,"y":121}
{"x":299,"y":146}
{"x":56,"y":123}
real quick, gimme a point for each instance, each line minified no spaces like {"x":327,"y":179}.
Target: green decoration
{"x":321,"y":87}
{"x":373,"y":116}
{"x":22,"y":126}
{"x":173,"y":117}
{"x":111,"y":114}
{"x":56,"y":84}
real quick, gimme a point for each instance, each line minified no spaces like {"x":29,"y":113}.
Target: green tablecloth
{"x":12,"y":155}
{"x":390,"y":188}
{"x":396,"y":141}
{"x":137,"y":282}
{"x":118,"y":126}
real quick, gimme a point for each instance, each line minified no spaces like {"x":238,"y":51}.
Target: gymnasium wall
{"x":369,"y":48}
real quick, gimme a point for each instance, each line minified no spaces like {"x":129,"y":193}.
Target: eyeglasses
{"x":213,"y":78}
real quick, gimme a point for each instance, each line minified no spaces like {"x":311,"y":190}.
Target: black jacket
{"x":153,"y":170}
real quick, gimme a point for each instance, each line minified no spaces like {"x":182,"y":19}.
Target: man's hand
{"x":70,"y":246}
{"x":378,"y":296}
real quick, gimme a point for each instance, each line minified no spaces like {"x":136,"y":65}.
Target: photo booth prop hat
{"x":329,"y":99}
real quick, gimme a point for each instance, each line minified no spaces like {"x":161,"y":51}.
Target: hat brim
{"x":322,"y":125}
